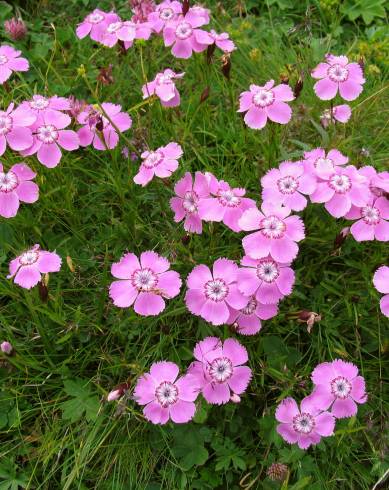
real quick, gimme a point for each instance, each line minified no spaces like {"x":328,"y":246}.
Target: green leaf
{"x":83,"y":402}
{"x":188,"y":446}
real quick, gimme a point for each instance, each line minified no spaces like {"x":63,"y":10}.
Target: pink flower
{"x":337,"y":73}
{"x":50,"y":136}
{"x":372,"y":220}
{"x":219,"y":369}
{"x":124,"y":31}
{"x":185,"y":36}
{"x":378,"y":182}
{"x":28,"y":267}
{"x":161,"y":162}
{"x":10,"y":61}
{"x":97,"y":126}
{"x":268,"y":280}
{"x":141,"y":9}
{"x":144,"y":283}
{"x":203,"y":13}
{"x":337,"y":383}
{"x":227,"y":206}
{"x":166,"y":397}
{"x":247,"y":320}
{"x":15,"y":186}
{"x":165,"y":13}
{"x":95,"y":24}
{"x":340,"y":113}
{"x":15,"y":28}
{"x":277,"y":235}
{"x":287,"y":184}
{"x":317,"y":161}
{"x":39,"y":104}
{"x":340,"y":188}
{"x":14,"y":128}
{"x":306,"y":425}
{"x":223,"y":41}
{"x":185,"y":205}
{"x":210,"y":293}
{"x":164,"y":87}
{"x":381,"y":283}
{"x":6,"y":347}
{"x":265,"y":102}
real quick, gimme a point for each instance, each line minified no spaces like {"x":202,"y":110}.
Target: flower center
{"x":144,"y":279}
{"x":166,"y":13}
{"x":47,"y":134}
{"x":184,"y":30}
{"x":287,"y":185}
{"x":324,"y":161}
{"x":263,"y":98}
{"x":250,"y":307}
{"x":216,"y":290}
{"x":370,"y":215}
{"x":95,"y":18}
{"x":115,"y":26}
{"x":5,"y":124}
{"x":337,"y":73}
{"x":221,"y":369}
{"x":3,"y":59}
{"x":190,"y":202}
{"x":272,"y":227}
{"x":341,"y":387}
{"x":29,"y":257}
{"x":340,"y":183}
{"x":303,"y":423}
{"x":153,"y":159}
{"x":166,"y":393}
{"x":228,"y":199}
{"x":39,"y":103}
{"x":8,"y":181}
{"x":268,"y":270}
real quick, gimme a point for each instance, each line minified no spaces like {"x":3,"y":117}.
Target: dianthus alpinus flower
{"x":185,"y":36}
{"x":202,"y":12}
{"x":39,"y":104}
{"x":95,"y":24}
{"x":188,"y":196}
{"x":247,"y":320}
{"x":225,"y":204}
{"x":286,"y":185}
{"x":28,"y":267}
{"x":269,"y":101}
{"x":144,"y":283}
{"x":381,"y":283}
{"x":339,"y":113}
{"x":15,"y":186}
{"x":304,"y":426}
{"x":337,"y":385}
{"x":50,"y":136}
{"x":318,"y":160}
{"x":265,"y":278}
{"x":165,"y":13}
{"x":210,"y":293}
{"x":338,"y":74}
{"x":219,"y":369}
{"x":372,"y":220}
{"x":223,"y":41}
{"x":277,"y":232}
{"x":164,"y":87}
{"x":15,"y":128}
{"x":11,"y":61}
{"x":161,"y":162}
{"x":6,"y":347}
{"x":166,"y":396}
{"x":97,"y":128}
{"x":340,"y":188}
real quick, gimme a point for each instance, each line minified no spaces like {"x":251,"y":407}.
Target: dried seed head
{"x":277,"y":472}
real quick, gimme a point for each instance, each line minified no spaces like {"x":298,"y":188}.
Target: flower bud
{"x":185,"y":6}
{"x":117,"y":392}
{"x":309,"y":317}
{"x":6,"y":347}
{"x":226,"y":65}
{"x":234,"y":398}
{"x":298,"y":87}
{"x":15,"y":28}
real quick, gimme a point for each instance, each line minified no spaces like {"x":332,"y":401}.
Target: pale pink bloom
{"x":338,"y":74}
{"x":373,"y":220}
{"x":227,"y":205}
{"x":287,"y":184}
{"x":39,"y":104}
{"x":317,"y":160}
{"x":6,"y":347}
{"x":199,"y":11}
{"x":340,"y":113}
{"x":277,"y":232}
{"x":144,"y":283}
{"x":219,"y":369}
{"x":223,"y":41}
{"x":381,"y":283}
{"x":141,"y":9}
{"x":15,"y":28}
{"x":50,"y":136}
{"x":306,"y":425}
{"x":340,"y":188}
{"x":97,"y":126}
{"x":378,"y":181}
{"x":15,"y":128}
{"x":210,"y":293}
{"x":268,"y":280}
{"x":10,"y":61}
{"x":188,"y":196}
{"x":165,"y":396}
{"x":164,"y":87}
{"x":114,"y":395}
{"x":28,"y":267}
{"x":185,"y":36}
{"x":247,"y":320}
{"x":125,"y":31}
{"x":15,"y":186}
{"x":161,"y":162}
{"x":95,"y":24}
{"x":165,"y":13}
{"x":337,"y":383}
{"x":268,"y":101}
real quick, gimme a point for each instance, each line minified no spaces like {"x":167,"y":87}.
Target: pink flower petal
{"x":182,"y":411}
{"x":164,"y":371}
{"x":255,"y":118}
{"x":27,"y":191}
{"x":284,"y":250}
{"x":216,"y":393}
{"x":155,"y":413}
{"x":49,"y":155}
{"x":126,"y":266}
{"x":27,"y":276}
{"x":9,"y":204}
{"x":240,"y":379}
{"x":122,"y":293}
{"x":344,"y":408}
{"x":154,"y":261}
{"x":215,"y":312}
{"x":358,"y":390}
{"x":235,"y":352}
{"x":350,"y":89}
{"x":68,"y":139}
{"x":195,"y":300}
{"x":149,"y":304}
{"x":325,"y":89}
{"x":144,"y":391}
{"x":279,"y":112}
{"x":49,"y":262}
{"x":287,"y":433}
{"x":198,"y":277}
{"x":381,"y":279}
